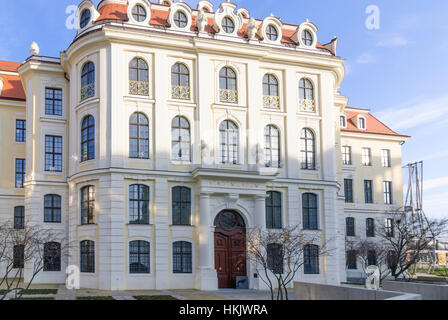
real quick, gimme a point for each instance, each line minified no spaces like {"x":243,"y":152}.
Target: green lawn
{"x":154,"y":298}
{"x":95,"y":298}
{"x":39,"y":291}
{"x":41,"y":298}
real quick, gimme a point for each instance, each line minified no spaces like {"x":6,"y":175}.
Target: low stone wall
{"x":312,"y":291}
{"x":427,"y":291}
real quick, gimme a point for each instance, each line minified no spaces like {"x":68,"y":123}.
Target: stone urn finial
{"x":34,"y":49}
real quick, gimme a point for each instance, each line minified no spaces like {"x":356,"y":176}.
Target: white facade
{"x":215,"y":186}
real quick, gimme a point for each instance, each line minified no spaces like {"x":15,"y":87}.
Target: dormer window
{"x":307,"y":38}
{"x":361,"y":123}
{"x":180,"y":19}
{"x":85,"y":18}
{"x":343,"y":120}
{"x":228,"y":25}
{"x":272,"y":33}
{"x":139,"y":13}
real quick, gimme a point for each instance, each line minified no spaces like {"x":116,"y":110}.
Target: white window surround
{"x":146,"y":5}
{"x":239,"y":84}
{"x":127,"y":252}
{"x":345,"y":121}
{"x":185,"y":9}
{"x":277,"y":24}
{"x":193,"y":257}
{"x":190,"y":118}
{"x":92,"y":111}
{"x":227,"y":9}
{"x":94,"y":14}
{"x":359,"y":123}
{"x":204,"y":4}
{"x":319,"y":194}
{"x":278,"y":74}
{"x":53,"y":84}
{"x":192,"y":202}
{"x":189,"y":63}
{"x":131,"y":109}
{"x":91,"y":57}
{"x":297,"y":37}
{"x":148,"y":58}
{"x":314,"y":81}
{"x":314,"y":127}
{"x":128,"y":185}
{"x":241,"y":141}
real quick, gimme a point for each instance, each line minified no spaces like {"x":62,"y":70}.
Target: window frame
{"x":184,"y":218}
{"x":178,"y":19}
{"x":370,"y":228}
{"x":88,"y":80}
{"x":54,"y":156}
{"x":19,"y":217}
{"x":307,"y":38}
{"x":387,"y":192}
{"x":306,"y":89}
{"x":20,"y":173}
{"x":270,"y":33}
{"x":88,"y":143}
{"x":55,"y":211}
{"x":51,"y":106}
{"x":350,"y":227}
{"x":366,"y":157}
{"x":20,"y":130}
{"x":368,"y":191}
{"x":18,"y":256}
{"x":307,"y":149}
{"x":183,"y":145}
{"x":351,"y":260}
{"x":87,"y":256}
{"x":55,"y":264}
{"x":310,"y":204}
{"x":180,"y":75}
{"x":136,"y":15}
{"x":183,"y":259}
{"x":346,"y":156}
{"x":272,"y":133}
{"x":311,"y":251}
{"x":140,"y":250}
{"x":228,"y":28}
{"x":389,"y":228}
{"x":348,"y":190}
{"x":138,"y":205}
{"x":228,"y":82}
{"x":275,"y":258}
{"x":84,"y":19}
{"x":386,"y":160}
{"x":229,"y":152}
{"x":139,"y":121}
{"x":87,"y":217}
{"x":274,"y":210}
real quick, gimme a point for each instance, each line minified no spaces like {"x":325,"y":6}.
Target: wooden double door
{"x":230,"y":248}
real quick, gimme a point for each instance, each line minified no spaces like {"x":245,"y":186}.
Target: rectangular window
{"x":362,"y":123}
{"x":366,"y":157}
{"x":87,"y":205}
{"x":20,"y":172}
{"x":87,"y":252}
{"x":182,"y":257}
{"x":20,"y":130}
{"x":53,"y":153}
{"x":53,"y":102}
{"x":389,"y":226}
{"x":370,"y":227}
{"x":347,"y":155}
{"x":385,"y":158}
{"x":387,"y":189}
{"x":371,"y":258}
{"x":368,"y":192}
{"x":18,"y":256}
{"x":311,"y":259}
{"x":350,"y":227}
{"x":351,"y":260}
{"x":275,"y":258}
{"x":348,"y":190}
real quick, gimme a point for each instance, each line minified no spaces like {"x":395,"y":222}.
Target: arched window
{"x":139,"y":257}
{"x":181,"y":205}
{"x":307,"y":38}
{"x":229,"y":141}
{"x":19,"y":217}
{"x":85,"y":18}
{"x":52,"y":208}
{"x":227,"y":86}
{"x":275,"y":258}
{"x":180,"y":19}
{"x":138,"y":136}
{"x":308,"y":150}
{"x":271,"y":98}
{"x":52,"y":256}
{"x":272,"y":146}
{"x":138,"y":204}
{"x":180,"y":139}
{"x":309,"y":211}
{"x":311,"y":259}
{"x":88,"y":205}
{"x":182,"y":257}
{"x":87,"y":253}
{"x":272,"y":33}
{"x":274,"y":210}
{"x":87,"y":80}
{"x":228,"y":25}
{"x":180,"y":82}
{"x":138,"y":77}
{"x":306,"y":89}
{"x":88,"y":139}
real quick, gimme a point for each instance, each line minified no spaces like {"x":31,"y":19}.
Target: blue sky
{"x":398,"y":71}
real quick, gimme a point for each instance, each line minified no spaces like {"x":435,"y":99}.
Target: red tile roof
{"x":9,"y":66}
{"x":12,"y":88}
{"x":373,"y":125}
{"x":160,"y":18}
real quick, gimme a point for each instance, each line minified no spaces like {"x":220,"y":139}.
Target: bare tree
{"x":405,"y":246}
{"x":28,"y":249}
{"x":278,"y":254}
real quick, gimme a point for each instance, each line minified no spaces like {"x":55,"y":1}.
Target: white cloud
{"x":436,"y":205}
{"x":365,"y":58}
{"x":429,"y":111}
{"x":435,"y":183}
{"x":395,"y":40}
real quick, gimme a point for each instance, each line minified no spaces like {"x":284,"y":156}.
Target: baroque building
{"x":162,"y":129}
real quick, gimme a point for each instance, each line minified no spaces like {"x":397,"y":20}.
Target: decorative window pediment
{"x":306,"y":35}
{"x":139,"y":12}
{"x":271,"y":30}
{"x":227,"y":22}
{"x":180,"y":16}
{"x":86,"y":15}
{"x":205,"y":6}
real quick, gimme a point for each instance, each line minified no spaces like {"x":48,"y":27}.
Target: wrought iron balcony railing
{"x":180,"y":92}
{"x":88,"y":91}
{"x":139,"y":88}
{"x":228,"y":96}
{"x":271,"y":102}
